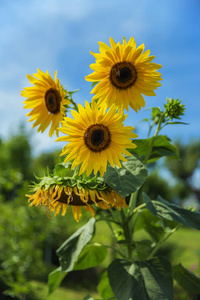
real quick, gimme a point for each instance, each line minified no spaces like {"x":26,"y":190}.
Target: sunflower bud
{"x":174,"y":108}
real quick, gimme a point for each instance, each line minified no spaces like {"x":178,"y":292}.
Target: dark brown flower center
{"x":123,"y":75}
{"x":52,"y":100}
{"x":97,"y":137}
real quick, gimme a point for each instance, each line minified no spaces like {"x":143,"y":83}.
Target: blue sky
{"x":58,"y":35}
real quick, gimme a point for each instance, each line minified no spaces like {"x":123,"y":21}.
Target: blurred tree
{"x":15,"y":159}
{"x":16,"y":152}
{"x":45,"y":162}
{"x":184,"y":168}
{"x":29,"y":238}
{"x":156,"y":185}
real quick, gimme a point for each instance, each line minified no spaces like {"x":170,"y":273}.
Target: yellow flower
{"x":58,"y":197}
{"x":47,"y":101}
{"x":123,"y":73}
{"x":96,"y":137}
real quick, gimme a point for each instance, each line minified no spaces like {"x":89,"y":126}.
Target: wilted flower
{"x":57,"y":193}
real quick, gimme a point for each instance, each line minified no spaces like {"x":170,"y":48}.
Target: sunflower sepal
{"x":63,"y":170}
{"x":62,"y":173}
{"x":94,"y":83}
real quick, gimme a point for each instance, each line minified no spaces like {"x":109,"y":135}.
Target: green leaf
{"x":188,"y":280}
{"x":104,"y":288}
{"x":70,"y":250}
{"x":127,"y":179}
{"x":175,"y":123}
{"x":145,"y":120}
{"x":155,"y":226}
{"x":72,"y":92}
{"x":91,"y":256}
{"x":144,"y":280}
{"x":161,"y":147}
{"x":54,"y":279}
{"x":169,"y":211}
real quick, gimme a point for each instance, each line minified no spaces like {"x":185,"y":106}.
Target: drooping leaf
{"x":169,"y":211}
{"x":127,"y":179}
{"x":104,"y":288}
{"x":186,"y":279}
{"x":70,"y":250}
{"x":145,"y":280}
{"x":91,"y":256}
{"x":161,"y":147}
{"x":54,"y":279}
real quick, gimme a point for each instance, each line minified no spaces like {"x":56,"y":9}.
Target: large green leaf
{"x":145,"y":280}
{"x":155,"y":226}
{"x":69,"y":251}
{"x":169,"y":211}
{"x":91,"y":256}
{"x":74,"y":255}
{"x":55,"y":278}
{"x":104,"y":288}
{"x":188,"y":280}
{"x":161,"y":147}
{"x":127,"y":179}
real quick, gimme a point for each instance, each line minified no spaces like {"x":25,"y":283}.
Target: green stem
{"x":127,"y":233}
{"x":74,"y":104}
{"x":153,"y":139}
{"x":162,"y":241}
{"x":113,"y":248}
{"x":111,"y":229}
{"x":137,"y":209}
{"x":133,"y":201}
{"x":108,"y":220}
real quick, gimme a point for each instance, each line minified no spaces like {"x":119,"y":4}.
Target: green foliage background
{"x":29,"y":239}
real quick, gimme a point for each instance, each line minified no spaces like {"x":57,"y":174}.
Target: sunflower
{"x":123,"y":73}
{"x":47,"y":101}
{"x":96,"y":137}
{"x":56,"y":197}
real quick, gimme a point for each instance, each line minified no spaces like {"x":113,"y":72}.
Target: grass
{"x":186,"y":249}
{"x":41,"y":292}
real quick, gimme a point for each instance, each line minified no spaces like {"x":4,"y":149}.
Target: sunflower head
{"x":56,"y":193}
{"x":96,"y":137}
{"x":47,"y":100}
{"x":123,"y":73}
